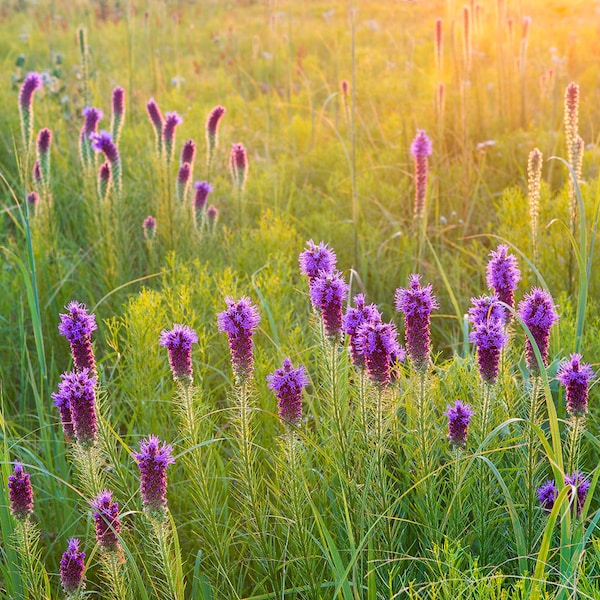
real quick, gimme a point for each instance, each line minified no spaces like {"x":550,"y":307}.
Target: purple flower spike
{"x":172,"y":119}
{"x":328,"y":292}
{"x":547,"y":494}
{"x":188,"y":152}
{"x":72,"y":567}
{"x":353,"y":319}
{"x":118,"y":101}
{"x":490,"y":338}
{"x":44,"y":140}
{"x":149,"y":227}
{"x":238,"y":162}
{"x":503,"y":275}
{"x":582,"y":486}
{"x":575,"y":376}
{"x":538,"y":312}
{"x":153,"y":460}
{"x":212,"y":126}
{"x":20,"y":493}
{"x":33,"y":81}
{"x":420,"y":149}
{"x":486,"y":308}
{"x":103,"y":142}
{"x":378,"y":343}
{"x":33,"y":199}
{"x":459,"y":416}
{"x":178,"y":341}
{"x":182,"y":185}
{"x":37,"y":173}
{"x":287,"y":383}
{"x":203,"y":188}
{"x":106,"y":520}
{"x":417,"y":303}
{"x":63,"y":402}
{"x":104,"y":180}
{"x":77,"y":394}
{"x":157,"y":121}
{"x":239,"y":322}
{"x":212,"y":216}
{"x":92,"y":117}
{"x":77,"y":326}
{"x":317,"y":258}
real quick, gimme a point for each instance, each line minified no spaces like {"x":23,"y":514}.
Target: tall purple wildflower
{"x":203,"y":189}
{"x":489,"y":337}
{"x":44,"y":140}
{"x":33,"y":81}
{"x":459,"y":417}
{"x":172,"y":119}
{"x":188,"y":153}
{"x":72,"y":567}
{"x":575,"y":376}
{"x":153,"y":460}
{"x":420,"y":149}
{"x":288,"y":383}
{"x":328,"y":292}
{"x":547,"y":494}
{"x":77,"y":395}
{"x":484,"y":308}
{"x":353,"y":319}
{"x":77,"y":326}
{"x":118,"y":113}
{"x":316,"y":259}
{"x":104,"y":180}
{"x":212,"y":128}
{"x":503,"y":275}
{"x":157,"y":120}
{"x":538,"y":312}
{"x":377,"y":343}
{"x":20,"y":493}
{"x":417,"y":303}
{"x":149,"y":227}
{"x":582,"y":486}
{"x":239,"y":322}
{"x":182,"y":185}
{"x":212,"y":218}
{"x":178,"y":341}
{"x":103,"y":142}
{"x":91,"y":117}
{"x":106,"y":520}
{"x":238,"y":163}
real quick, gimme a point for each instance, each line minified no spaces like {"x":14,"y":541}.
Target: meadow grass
{"x":365,"y":496}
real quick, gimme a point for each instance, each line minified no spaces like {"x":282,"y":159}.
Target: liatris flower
{"x":537,"y":312}
{"x":77,"y":395}
{"x":287,"y":383}
{"x":212,"y":127}
{"x":92,"y":116}
{"x":503,"y":275}
{"x":490,"y":338}
{"x":547,"y":494}
{"x":416,"y":303}
{"x":153,"y":460}
{"x":77,"y":326}
{"x":575,"y":376}
{"x":328,"y":292}
{"x":149,"y":227}
{"x":106,"y":520}
{"x":316,"y":259}
{"x":63,"y":403}
{"x":188,"y":153}
{"x":33,"y":201}
{"x":178,"y":341}
{"x":72,"y":567}
{"x":377,"y":343}
{"x":582,"y":486}
{"x":104,"y":180}
{"x":534,"y":185}
{"x":102,"y":142}
{"x":239,"y":322}
{"x":239,"y":165}
{"x":168,"y":134}
{"x":353,"y":319}
{"x":420,"y":150}
{"x":118,"y":113}
{"x":182,"y":185}
{"x":459,"y":416}
{"x":203,"y":188}
{"x":33,"y":81}
{"x":20,"y":493}
{"x":486,"y":308}
{"x":571,"y":120}
{"x":157,"y":121}
{"x":44,"y":140}
{"x":37,"y":175}
{"x":212,"y":217}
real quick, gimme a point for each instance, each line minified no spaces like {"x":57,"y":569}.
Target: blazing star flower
{"x":547,"y":494}
{"x":103,"y":142}
{"x":77,"y":326}
{"x":459,"y":417}
{"x":316,"y":259}
{"x":153,"y":460}
{"x":486,"y":308}
{"x":33,"y":200}
{"x":328,"y":292}
{"x":188,"y":153}
{"x":33,"y":82}
{"x":212,"y":126}
{"x":582,"y":486}
{"x":20,"y":493}
{"x":157,"y":121}
{"x":239,"y":322}
{"x":92,"y":117}
{"x":104,"y":180}
{"x":575,"y":376}
{"x":44,"y":140}
{"x":287,"y":383}
{"x":420,"y":149}
{"x":168,"y":133}
{"x":212,"y":216}
{"x":72,"y":567}
{"x":353,"y":319}
{"x":77,"y":395}
{"x":417,"y":303}
{"x":203,"y":189}
{"x":538,"y":312}
{"x":183,"y":181}
{"x":106,"y":520}
{"x":238,"y":162}
{"x":178,"y":341}
{"x":503,"y":275}
{"x":490,"y":338}
{"x":377,"y":343}
{"x":37,"y":174}
{"x":118,"y":113}
{"x":149,"y":227}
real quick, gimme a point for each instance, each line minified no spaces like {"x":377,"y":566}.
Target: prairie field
{"x":299,"y":299}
